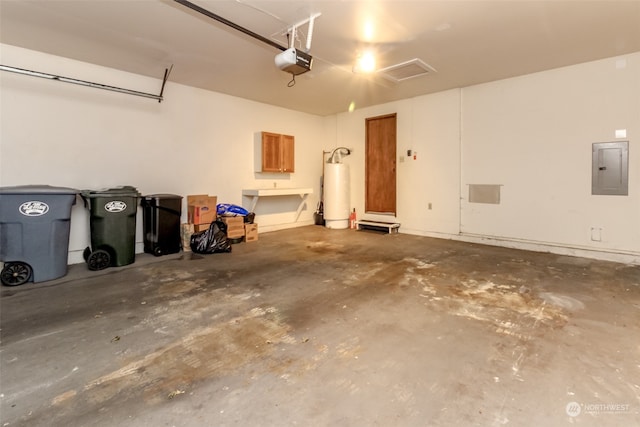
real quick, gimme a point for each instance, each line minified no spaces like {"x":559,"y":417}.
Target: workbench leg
{"x":301,"y":205}
{"x":254,"y":202}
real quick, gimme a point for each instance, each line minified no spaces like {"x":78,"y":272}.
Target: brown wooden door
{"x":380,"y":165}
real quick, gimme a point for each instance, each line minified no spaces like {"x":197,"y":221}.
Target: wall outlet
{"x":429,"y":206}
{"x":596,"y":234}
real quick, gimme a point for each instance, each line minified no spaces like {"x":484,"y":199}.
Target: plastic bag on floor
{"x":212,"y":240}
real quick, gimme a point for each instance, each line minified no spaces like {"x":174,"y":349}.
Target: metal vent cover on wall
{"x":406,"y":70}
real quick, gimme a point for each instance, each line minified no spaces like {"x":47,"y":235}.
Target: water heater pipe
{"x":340,"y":151}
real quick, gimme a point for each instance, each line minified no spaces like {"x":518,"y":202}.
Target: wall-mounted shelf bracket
{"x":159,"y":97}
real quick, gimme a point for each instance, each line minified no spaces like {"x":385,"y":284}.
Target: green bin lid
{"x":125,"y":190}
{"x":37,"y":189}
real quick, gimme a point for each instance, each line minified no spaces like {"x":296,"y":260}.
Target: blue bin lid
{"x":37,"y":189}
{"x":125,"y":190}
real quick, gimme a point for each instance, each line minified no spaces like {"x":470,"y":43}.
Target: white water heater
{"x":336,"y":195}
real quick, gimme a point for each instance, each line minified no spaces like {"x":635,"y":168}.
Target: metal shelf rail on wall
{"x":31,"y":73}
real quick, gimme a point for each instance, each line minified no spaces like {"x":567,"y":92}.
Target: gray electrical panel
{"x":610,"y":168}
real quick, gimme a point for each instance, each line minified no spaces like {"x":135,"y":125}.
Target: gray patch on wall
{"x":484,"y":193}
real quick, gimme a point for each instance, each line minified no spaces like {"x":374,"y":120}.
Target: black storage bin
{"x":161,"y":223}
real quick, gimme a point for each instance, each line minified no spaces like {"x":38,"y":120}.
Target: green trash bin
{"x":113,"y":226}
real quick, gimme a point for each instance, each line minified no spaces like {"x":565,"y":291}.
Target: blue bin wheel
{"x":86,"y":253}
{"x":157,"y":251}
{"x":99,"y":260}
{"x":15,"y":273}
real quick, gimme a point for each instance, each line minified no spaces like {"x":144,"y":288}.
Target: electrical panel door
{"x":610,"y":168}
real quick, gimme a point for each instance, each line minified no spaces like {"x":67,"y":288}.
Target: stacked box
{"x":186,"y":230}
{"x":201,"y":211}
{"x":235,"y":226}
{"x":200,"y":227}
{"x":250,"y":232}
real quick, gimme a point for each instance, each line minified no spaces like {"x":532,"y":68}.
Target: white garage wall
{"x":194,"y":142}
{"x":532,"y":135}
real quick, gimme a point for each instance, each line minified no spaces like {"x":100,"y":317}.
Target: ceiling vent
{"x":406,"y":70}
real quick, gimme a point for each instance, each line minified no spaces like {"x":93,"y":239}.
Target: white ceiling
{"x":466,"y":42}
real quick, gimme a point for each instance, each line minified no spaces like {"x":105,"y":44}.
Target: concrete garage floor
{"x":317,"y":327}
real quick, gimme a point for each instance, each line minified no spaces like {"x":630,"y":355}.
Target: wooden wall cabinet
{"x":276,"y":153}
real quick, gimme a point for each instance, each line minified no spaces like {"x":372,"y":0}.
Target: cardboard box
{"x":235,"y":234}
{"x":201,"y":209}
{"x":233,"y":222}
{"x":250,"y":232}
{"x":235,"y":226}
{"x":201,"y":214}
{"x":198,"y":199}
{"x":201,"y":227}
{"x":186,"y":230}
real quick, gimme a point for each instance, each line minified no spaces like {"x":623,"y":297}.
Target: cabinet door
{"x":288,"y":153}
{"x":271,"y":152}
